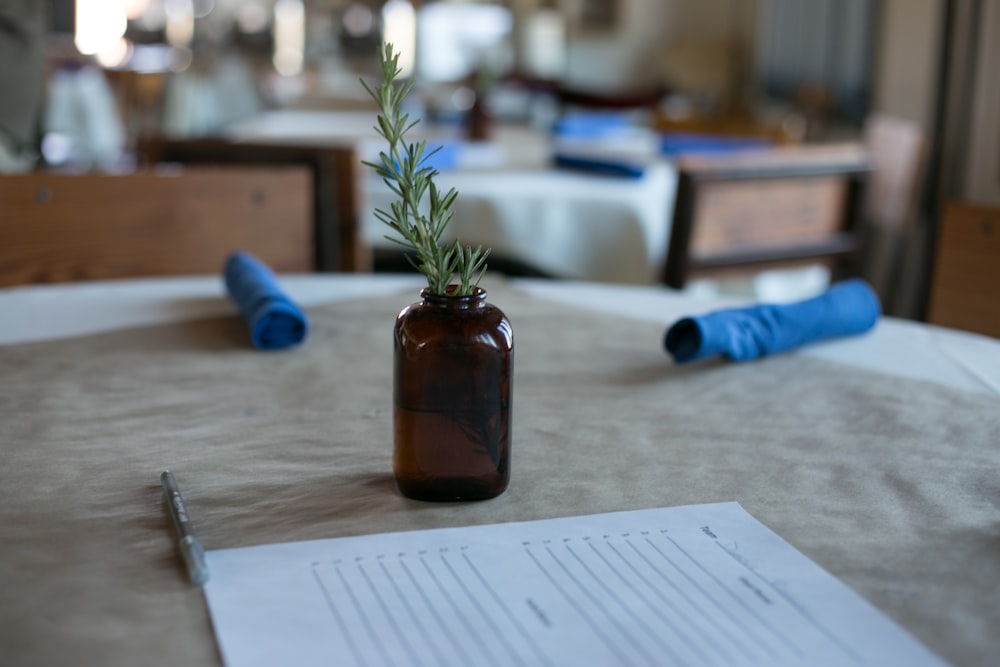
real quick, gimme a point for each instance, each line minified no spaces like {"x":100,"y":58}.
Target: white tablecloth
{"x":565,"y":223}
{"x":886,"y":482}
{"x":909,"y":349}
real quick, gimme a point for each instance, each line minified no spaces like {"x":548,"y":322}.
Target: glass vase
{"x":452,"y":384}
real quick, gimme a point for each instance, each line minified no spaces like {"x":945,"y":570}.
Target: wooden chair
{"x":334,"y":171}
{"x":730,"y":126}
{"x":57,"y":227}
{"x":750,"y":210}
{"x":898,"y":151}
{"x":965,"y":287}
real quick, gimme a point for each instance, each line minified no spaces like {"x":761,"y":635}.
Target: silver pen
{"x":188,"y":543}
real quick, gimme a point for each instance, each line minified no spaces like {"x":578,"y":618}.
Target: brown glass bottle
{"x":454,"y":361}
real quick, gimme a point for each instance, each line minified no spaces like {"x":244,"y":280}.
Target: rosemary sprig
{"x":403,"y":168}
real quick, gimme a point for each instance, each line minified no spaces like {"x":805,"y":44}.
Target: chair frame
{"x":965,"y":285}
{"x":63,"y":227}
{"x":848,"y":163}
{"x":334,"y":173}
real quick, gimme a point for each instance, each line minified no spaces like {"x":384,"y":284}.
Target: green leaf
{"x":404,"y":170}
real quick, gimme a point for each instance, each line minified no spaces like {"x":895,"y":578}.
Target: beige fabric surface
{"x":890,"y":484}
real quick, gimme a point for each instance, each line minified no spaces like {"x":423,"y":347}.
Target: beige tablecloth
{"x":890,"y":484}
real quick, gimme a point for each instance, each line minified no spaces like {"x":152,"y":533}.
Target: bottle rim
{"x":450,"y":297}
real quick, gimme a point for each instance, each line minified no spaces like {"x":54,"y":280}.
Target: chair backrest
{"x":965,"y":288}
{"x":57,"y":227}
{"x":897,"y":148}
{"x":755,"y":209}
{"x":334,"y":170}
{"x":898,"y":151}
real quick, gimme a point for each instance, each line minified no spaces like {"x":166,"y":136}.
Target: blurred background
{"x":816,"y":68}
{"x":107,"y":75}
{"x":811,"y":69}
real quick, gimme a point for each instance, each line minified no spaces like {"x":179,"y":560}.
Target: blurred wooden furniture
{"x":566,"y":97}
{"x":898,"y":151}
{"x":60,"y":227}
{"x":754,"y":209}
{"x":965,"y":288}
{"x":333,"y":170}
{"x":733,"y":126}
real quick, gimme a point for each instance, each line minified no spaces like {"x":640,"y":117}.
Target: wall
{"x":908,"y":51}
{"x":825,"y":44}
{"x":981,"y":173}
{"x":641,"y":48}
{"x":937,"y":66}
{"x":619,"y":56}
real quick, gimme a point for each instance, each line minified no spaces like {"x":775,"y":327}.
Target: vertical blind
{"x":828,"y":43}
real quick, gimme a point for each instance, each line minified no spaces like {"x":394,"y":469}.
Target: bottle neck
{"x":451,"y":302}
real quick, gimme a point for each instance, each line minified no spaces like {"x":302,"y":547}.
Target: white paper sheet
{"x":692,"y":585}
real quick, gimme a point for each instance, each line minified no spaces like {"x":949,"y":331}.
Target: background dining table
{"x":877,"y":455}
{"x":564,"y":222}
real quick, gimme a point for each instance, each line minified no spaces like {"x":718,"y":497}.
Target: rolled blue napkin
{"x":741,"y":334}
{"x":686,"y":143}
{"x":275,"y":321}
{"x":605,"y":166}
{"x":592,"y":125}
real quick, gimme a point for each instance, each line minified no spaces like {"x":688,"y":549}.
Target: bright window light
{"x":399,"y":28}
{"x":358,"y":20}
{"x":252,"y":18}
{"x":117,"y":55}
{"x":454,"y":38}
{"x":99,"y":25}
{"x":134,"y":9}
{"x":180,"y":22}
{"x":289,"y":36}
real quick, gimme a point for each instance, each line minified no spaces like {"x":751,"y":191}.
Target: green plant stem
{"x":403,"y":168}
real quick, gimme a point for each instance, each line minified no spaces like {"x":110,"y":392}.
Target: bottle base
{"x":450,"y":490}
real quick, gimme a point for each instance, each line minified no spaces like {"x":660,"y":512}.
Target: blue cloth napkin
{"x":741,"y":334}
{"x":275,"y":321}
{"x":442,"y":155}
{"x":592,"y":125}
{"x":605,"y":166}
{"x":576,"y":134}
{"x":685,"y":143}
